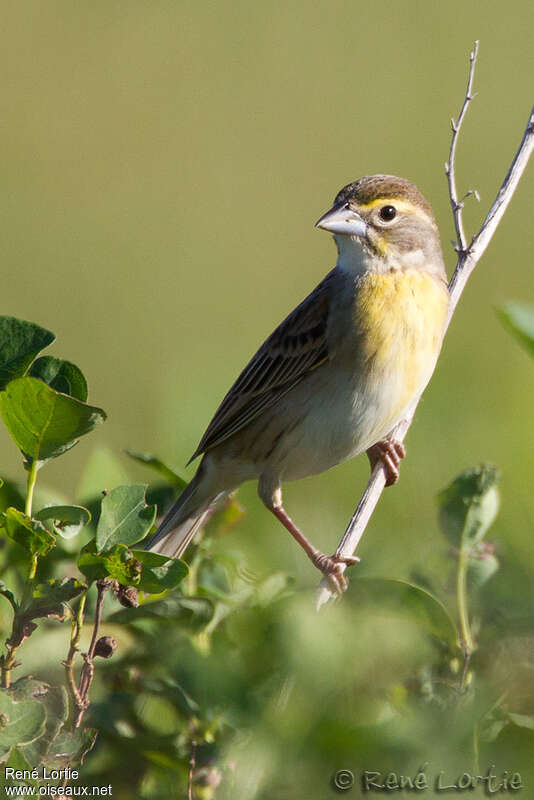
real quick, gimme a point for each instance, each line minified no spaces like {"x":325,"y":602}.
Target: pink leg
{"x":330,"y":566}
{"x":390,"y":453}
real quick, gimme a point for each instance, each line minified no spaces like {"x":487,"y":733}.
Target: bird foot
{"x":389,"y":452}
{"x":333,"y":568}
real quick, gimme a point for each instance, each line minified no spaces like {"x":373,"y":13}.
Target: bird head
{"x":390,"y":219}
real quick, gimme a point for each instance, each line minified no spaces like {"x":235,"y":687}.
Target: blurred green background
{"x":163,"y":164}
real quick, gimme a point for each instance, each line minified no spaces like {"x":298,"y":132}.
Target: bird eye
{"x":387,"y":213}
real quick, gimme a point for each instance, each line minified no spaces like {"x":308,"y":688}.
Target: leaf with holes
{"x":118,"y":563}
{"x":65,"y":521}
{"x":48,"y":598}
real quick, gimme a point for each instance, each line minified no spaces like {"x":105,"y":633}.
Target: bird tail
{"x":185,"y":517}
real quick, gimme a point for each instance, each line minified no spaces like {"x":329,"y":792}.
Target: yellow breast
{"x":400,"y":316}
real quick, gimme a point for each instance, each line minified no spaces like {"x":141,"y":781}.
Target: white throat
{"x":351,"y":257}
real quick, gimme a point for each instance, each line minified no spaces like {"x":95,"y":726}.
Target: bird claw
{"x":389,"y":452}
{"x":333,"y":569}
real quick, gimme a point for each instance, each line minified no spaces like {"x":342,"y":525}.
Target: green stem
{"x":76,"y":631}
{"x":461,"y":599}
{"x":33,"y":567}
{"x":466,"y":642}
{"x":32,"y":477}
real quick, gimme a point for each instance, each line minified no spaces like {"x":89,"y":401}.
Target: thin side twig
{"x":450,"y":166}
{"x":468,"y":257}
{"x":88,"y":669}
{"x":76,"y":631}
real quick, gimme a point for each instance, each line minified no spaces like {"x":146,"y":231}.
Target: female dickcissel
{"x":338,"y":374}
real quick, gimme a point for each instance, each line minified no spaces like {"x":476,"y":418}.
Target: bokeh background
{"x":162,"y":166}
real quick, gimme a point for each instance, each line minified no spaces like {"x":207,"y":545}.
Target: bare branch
{"x":88,"y":669}
{"x":468,"y":258}
{"x":450,"y":167}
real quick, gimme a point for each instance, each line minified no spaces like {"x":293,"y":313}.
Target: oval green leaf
{"x":42,"y":422}
{"x":20,"y":342}
{"x":66,"y":521}
{"x":63,"y":376}
{"x":125,"y":517}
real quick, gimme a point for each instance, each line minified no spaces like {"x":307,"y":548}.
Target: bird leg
{"x":332,"y":567}
{"x":389,"y":452}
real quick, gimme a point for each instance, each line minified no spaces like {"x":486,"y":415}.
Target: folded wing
{"x":292,"y":351}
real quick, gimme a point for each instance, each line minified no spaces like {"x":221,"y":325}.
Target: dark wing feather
{"x":296,"y":347}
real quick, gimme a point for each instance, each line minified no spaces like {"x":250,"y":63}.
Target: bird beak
{"x":342,"y":219}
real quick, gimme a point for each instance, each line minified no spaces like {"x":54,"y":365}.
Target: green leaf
{"x":481,"y":566}
{"x":12,"y":494}
{"x":175,"y":692}
{"x":8,"y":594}
{"x":63,"y":376}
{"x":150,"y":572}
{"x":118,"y":563}
{"x":20,"y":723}
{"x":519,"y":319}
{"x":401,"y":596}
{"x":92,"y":564}
{"x":20,"y":342}
{"x":17,"y":761}
{"x":70,"y":749}
{"x":55,"y":702}
{"x":521,"y":720}
{"x":48,"y":598}
{"x":157,"y":464}
{"x":31,"y":535}
{"x":189,"y":612}
{"x":43,"y":422}
{"x":66,"y":521}
{"x":468,"y":507}
{"x":125,"y":517}
{"x":159,"y":572}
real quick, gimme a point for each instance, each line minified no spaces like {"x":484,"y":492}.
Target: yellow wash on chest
{"x":401,"y":315}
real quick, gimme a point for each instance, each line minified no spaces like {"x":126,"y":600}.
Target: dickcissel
{"x":338,"y":373}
